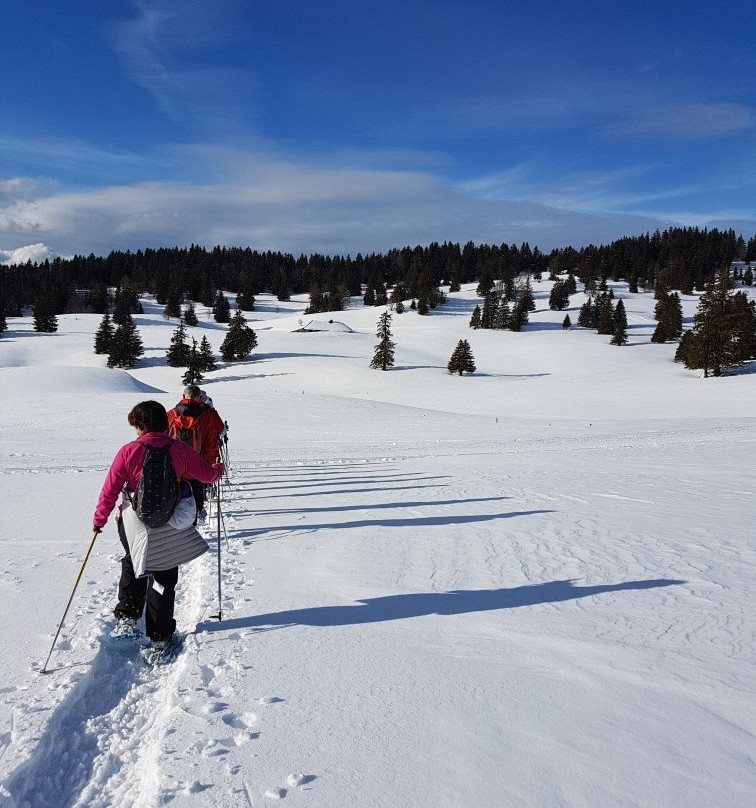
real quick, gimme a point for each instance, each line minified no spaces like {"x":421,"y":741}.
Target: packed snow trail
{"x":396,"y":632}
{"x":100,"y":744}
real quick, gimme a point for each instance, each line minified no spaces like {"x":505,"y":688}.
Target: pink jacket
{"x":126,"y":469}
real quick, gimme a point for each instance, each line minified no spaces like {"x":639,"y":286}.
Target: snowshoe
{"x":125,"y":629}
{"x":161,"y":652}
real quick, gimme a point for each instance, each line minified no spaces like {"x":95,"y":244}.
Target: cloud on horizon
{"x":342,"y":202}
{"x":293,"y":207}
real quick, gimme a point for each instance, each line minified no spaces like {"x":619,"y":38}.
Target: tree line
{"x":682,"y":259}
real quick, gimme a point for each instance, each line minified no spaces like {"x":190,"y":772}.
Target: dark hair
{"x":149,"y":416}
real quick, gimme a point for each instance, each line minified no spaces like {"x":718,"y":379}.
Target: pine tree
{"x":519,"y":317}
{"x":240,"y":340}
{"x":125,"y":345}
{"x":177,"y":354}
{"x":221,"y":308}
{"x":104,"y":335}
{"x":501,"y":318}
{"x":398,"y":294}
{"x":126,"y":303}
{"x":422,"y":304}
{"x":207,"y":295}
{"x":559,"y":299}
{"x":44,"y":315}
{"x":620,"y":334}
{"x":604,"y":314}
{"x":206,"y":354}
{"x":566,"y":323}
{"x":525,"y":296}
{"x":245,"y":299}
{"x":475,"y":319}
{"x":668,"y":312}
{"x":713,"y":343}
{"x":462,"y":360}
{"x":190,"y":315}
{"x":173,"y":304}
{"x":744,"y":328}
{"x":383,"y":358}
{"x":619,"y":316}
{"x":587,"y":316}
{"x":682,"y":347}
{"x":485,"y":284}
{"x":487,"y":315}
{"x":193,"y":373}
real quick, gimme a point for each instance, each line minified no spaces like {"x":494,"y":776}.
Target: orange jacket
{"x":194,"y":423}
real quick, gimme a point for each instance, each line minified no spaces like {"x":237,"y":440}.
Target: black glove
{"x":96,"y":530}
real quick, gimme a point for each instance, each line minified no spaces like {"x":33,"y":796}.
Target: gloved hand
{"x":96,"y":530}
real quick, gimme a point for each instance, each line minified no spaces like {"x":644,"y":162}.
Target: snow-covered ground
{"x":532,"y":587}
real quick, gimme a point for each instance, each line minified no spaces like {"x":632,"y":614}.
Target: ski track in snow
{"x":105,"y":740}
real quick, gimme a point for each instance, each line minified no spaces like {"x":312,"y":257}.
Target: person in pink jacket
{"x":156,"y":591}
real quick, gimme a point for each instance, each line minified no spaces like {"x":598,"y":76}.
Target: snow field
{"x":531,"y":587}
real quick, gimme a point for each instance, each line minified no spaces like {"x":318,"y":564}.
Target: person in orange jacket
{"x":192,"y":421}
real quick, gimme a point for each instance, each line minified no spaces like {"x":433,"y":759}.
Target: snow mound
{"x":23,"y":382}
{"x":325,"y":325}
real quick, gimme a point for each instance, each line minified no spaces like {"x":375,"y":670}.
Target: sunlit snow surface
{"x":530,"y":587}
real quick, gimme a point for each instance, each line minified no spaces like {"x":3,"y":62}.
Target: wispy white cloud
{"x":162,"y":47}
{"x":87,"y":161}
{"x":686,"y":121}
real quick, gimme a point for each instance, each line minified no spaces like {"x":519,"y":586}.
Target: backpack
{"x":186,"y":428}
{"x":158,"y":489}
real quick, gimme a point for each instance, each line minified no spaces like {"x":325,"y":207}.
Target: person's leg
{"x":131,"y":590}
{"x":161,"y":596}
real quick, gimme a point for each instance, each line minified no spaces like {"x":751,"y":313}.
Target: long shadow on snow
{"x":61,"y":765}
{"x":375,"y":506}
{"x":321,"y":482}
{"x":420,"y":604}
{"x":422,"y":521}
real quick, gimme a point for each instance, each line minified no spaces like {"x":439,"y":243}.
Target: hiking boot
{"x":125,"y":627}
{"x":202,"y":517}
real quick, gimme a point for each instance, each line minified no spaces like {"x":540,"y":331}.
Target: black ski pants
{"x":157,"y":592}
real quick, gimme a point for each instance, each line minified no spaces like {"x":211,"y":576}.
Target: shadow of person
{"x":458,"y":601}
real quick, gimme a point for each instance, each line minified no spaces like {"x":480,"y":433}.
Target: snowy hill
{"x":528,"y":587}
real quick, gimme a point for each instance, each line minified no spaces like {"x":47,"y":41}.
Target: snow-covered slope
{"x":528,"y":587}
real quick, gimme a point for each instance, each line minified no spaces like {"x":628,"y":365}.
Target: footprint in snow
{"x":298,"y":779}
{"x":240,"y":722}
{"x":275,"y":793}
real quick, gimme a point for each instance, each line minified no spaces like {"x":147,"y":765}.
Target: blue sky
{"x":345,"y":127}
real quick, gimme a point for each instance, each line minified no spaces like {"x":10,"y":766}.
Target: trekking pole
{"x":70,"y":600}
{"x":223,"y":446}
{"x":225,"y":441}
{"x":219,"y":616}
